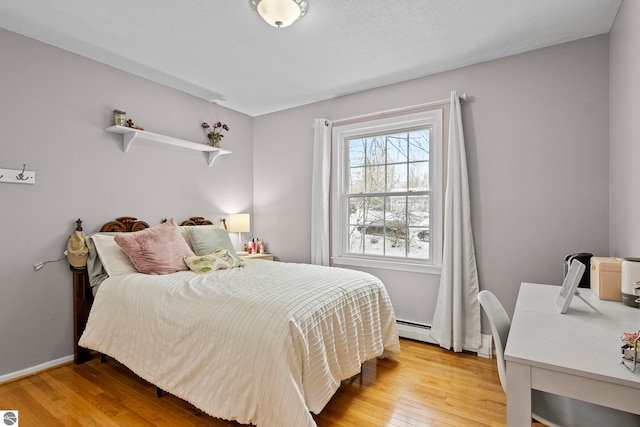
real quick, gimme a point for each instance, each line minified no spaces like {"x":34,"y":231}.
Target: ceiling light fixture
{"x":280,"y":13}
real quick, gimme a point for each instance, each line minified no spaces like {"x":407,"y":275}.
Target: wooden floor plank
{"x":424,"y":386}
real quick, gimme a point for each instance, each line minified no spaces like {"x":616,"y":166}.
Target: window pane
{"x":397,"y":148}
{"x":396,"y":210}
{"x":366,"y":229}
{"x":375,"y":179}
{"x":395,"y":243}
{"x":356,"y":152}
{"x":376,"y":153}
{"x":397,"y":178}
{"x":374,"y":214}
{"x":419,"y":145}
{"x":418,"y":242}
{"x":418,"y":211}
{"x":418,"y":221}
{"x":374,"y":241}
{"x":374,"y":218}
{"x":395,"y":222}
{"x":356,"y":211}
{"x":355,"y":239}
{"x":419,"y":176}
{"x":356,"y":180}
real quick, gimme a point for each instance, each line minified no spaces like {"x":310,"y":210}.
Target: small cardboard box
{"x":606,"y":277}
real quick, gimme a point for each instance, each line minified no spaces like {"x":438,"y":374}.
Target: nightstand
{"x":268,"y":257}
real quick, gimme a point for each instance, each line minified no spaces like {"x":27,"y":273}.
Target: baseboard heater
{"x":422,"y":332}
{"x":415,"y":331}
{"x":414,"y":324}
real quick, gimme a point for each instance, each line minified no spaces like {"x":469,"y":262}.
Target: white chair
{"x":550,"y":409}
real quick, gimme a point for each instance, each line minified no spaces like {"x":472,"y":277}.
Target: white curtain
{"x":456,"y":322}
{"x":320,"y":192}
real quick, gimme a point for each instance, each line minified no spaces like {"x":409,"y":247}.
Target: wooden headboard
{"x":82,"y":292}
{"x":198,"y":220}
{"x":124,"y":224}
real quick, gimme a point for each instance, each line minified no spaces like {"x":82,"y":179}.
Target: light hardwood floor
{"x":423,"y":386}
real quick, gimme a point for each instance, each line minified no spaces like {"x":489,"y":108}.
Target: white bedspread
{"x":264,"y":344}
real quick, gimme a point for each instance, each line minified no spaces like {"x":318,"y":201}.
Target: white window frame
{"x":339,"y":209}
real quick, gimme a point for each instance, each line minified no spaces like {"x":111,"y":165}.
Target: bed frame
{"x":82,"y":293}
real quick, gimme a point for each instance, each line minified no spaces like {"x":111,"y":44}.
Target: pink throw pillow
{"x":156,"y":250}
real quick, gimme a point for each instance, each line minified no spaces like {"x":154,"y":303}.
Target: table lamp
{"x":240,"y":223}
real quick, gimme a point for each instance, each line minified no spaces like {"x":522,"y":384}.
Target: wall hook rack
{"x":18,"y":176}
{"x":21,"y":176}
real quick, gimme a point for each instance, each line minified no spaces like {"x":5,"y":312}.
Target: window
{"x":386,"y":196}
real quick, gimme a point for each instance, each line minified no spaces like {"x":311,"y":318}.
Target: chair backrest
{"x":500,"y":325}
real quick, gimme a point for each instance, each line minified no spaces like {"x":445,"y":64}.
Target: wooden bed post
{"x":82,"y":299}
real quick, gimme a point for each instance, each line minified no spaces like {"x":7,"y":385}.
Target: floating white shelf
{"x":129,"y":135}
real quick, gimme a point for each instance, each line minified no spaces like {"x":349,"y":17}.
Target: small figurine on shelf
{"x":133,"y":126}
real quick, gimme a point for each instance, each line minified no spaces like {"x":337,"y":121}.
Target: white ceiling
{"x":220,"y":50}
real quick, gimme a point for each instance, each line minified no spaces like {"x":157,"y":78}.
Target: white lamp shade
{"x":239,"y":223}
{"x":280,"y":13}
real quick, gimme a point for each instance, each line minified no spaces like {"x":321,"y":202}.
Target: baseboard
{"x":415,"y":331}
{"x":33,"y":369}
{"x":422,"y":332}
{"x":486,"y":349}
{"x":406,"y":329}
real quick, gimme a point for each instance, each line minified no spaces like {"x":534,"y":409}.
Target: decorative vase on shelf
{"x":214,"y":133}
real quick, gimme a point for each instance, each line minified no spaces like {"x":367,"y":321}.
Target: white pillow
{"x":185,"y":234}
{"x":114,"y":260}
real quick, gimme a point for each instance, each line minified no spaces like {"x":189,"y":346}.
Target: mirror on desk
{"x":569,"y":287}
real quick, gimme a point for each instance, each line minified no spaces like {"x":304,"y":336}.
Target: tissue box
{"x":606,"y":278}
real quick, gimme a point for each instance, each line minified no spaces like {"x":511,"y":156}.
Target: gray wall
{"x":537,"y":131}
{"x":537,"y":144}
{"x":54,"y":107}
{"x":625,"y":117}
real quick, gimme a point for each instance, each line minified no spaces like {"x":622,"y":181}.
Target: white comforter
{"x":264,"y":344}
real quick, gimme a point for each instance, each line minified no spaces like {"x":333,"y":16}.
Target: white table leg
{"x":518,"y":395}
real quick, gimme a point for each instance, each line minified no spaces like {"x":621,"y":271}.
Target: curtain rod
{"x":396,"y":111}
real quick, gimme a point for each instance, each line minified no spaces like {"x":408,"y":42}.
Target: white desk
{"x":575,"y":354}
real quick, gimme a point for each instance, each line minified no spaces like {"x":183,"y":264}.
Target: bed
{"x":264,"y":342}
